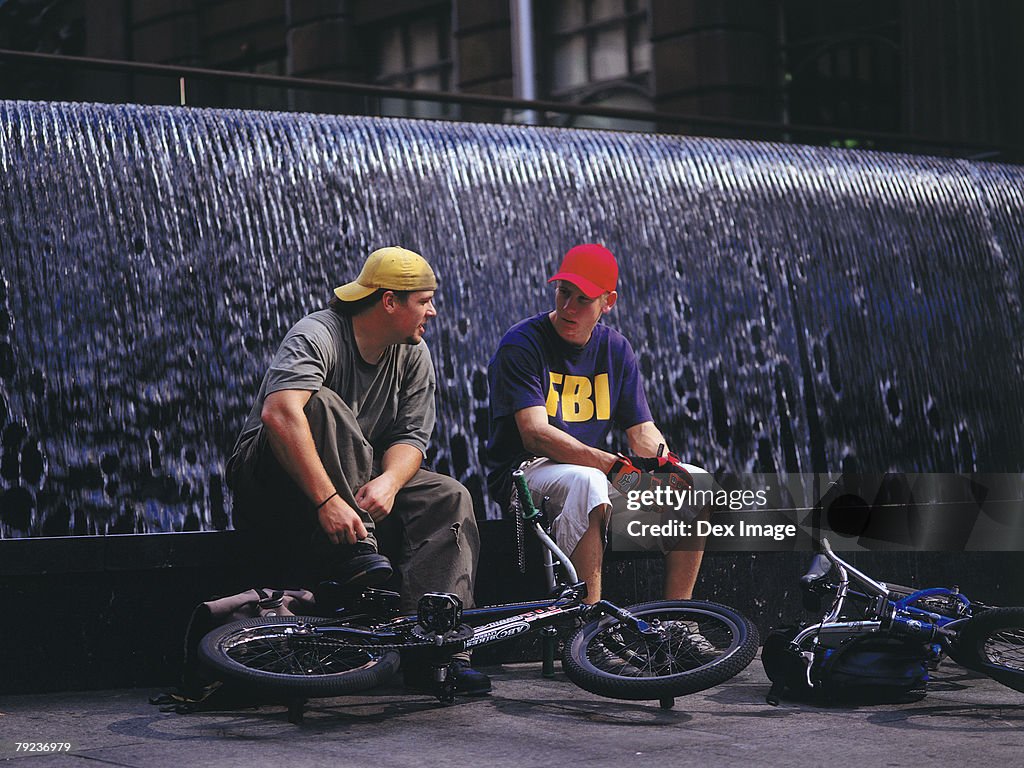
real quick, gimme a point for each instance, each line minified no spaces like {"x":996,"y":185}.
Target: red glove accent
{"x":671,"y":467}
{"x":625,"y":477}
{"x":667,"y":470}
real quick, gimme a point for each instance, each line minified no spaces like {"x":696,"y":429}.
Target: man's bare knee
{"x":599,"y":517}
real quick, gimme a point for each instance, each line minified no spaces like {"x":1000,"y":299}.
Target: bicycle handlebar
{"x":530,"y":513}
{"x":844,"y":568}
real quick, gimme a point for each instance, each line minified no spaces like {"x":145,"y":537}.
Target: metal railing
{"x":693,"y":124}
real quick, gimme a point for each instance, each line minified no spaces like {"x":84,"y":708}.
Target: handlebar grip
{"x":525,"y":497}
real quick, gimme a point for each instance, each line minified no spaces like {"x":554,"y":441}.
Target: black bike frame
{"x":501,"y":622}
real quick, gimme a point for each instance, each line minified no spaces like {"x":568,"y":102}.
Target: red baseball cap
{"x":591,"y":268}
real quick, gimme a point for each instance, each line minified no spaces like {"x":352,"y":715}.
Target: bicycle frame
{"x":900,"y":616}
{"x":503,"y":622}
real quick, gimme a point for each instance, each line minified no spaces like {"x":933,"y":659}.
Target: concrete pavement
{"x":527,"y":721}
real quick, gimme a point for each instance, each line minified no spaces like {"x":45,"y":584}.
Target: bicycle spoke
{"x":684,"y":643}
{"x":1006,"y":648}
{"x":293,"y":654}
{"x":264,"y":660}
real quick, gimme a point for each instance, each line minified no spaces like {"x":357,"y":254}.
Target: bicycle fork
{"x":644,"y":629}
{"x":627,"y":618}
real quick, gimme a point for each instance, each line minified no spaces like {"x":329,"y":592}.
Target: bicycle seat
{"x":820,"y":567}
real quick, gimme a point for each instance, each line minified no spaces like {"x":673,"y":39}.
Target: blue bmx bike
{"x":936,"y":623}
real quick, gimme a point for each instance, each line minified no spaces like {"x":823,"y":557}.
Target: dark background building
{"x":936,"y":76}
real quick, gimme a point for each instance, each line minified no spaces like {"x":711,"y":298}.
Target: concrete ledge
{"x":100,"y":611}
{"x":110,"y":611}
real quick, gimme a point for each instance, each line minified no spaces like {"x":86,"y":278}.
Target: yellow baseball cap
{"x":391,"y":268}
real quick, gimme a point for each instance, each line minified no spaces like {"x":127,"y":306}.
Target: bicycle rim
{"x":698,"y":645}
{"x":285,"y":655}
{"x":1005,"y":648}
{"x":993,"y":643}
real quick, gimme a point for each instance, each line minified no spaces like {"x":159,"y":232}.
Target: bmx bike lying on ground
{"x":939,"y":621}
{"x":651,"y":651}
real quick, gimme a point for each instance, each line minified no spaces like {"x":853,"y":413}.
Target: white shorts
{"x":574,"y":492}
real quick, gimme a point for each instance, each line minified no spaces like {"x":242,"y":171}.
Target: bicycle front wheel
{"x":993,"y":643}
{"x":694,"y":645}
{"x":282,"y":655}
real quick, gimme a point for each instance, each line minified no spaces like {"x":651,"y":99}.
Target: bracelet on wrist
{"x":321,"y":504}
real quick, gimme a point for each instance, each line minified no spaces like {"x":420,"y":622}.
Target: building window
{"x":415,"y":53}
{"x":596,"y":52}
{"x":594,"y":45}
{"x":844,"y":66}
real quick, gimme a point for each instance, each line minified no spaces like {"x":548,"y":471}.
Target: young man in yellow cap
{"x":330,"y":454}
{"x":559,"y":382}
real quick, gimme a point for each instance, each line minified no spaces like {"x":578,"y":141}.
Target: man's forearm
{"x":401,"y":461}
{"x":294,"y":449}
{"x":645,"y":439}
{"x":291,"y":441}
{"x":559,"y":446}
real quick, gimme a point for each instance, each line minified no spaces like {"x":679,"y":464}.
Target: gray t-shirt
{"x":393,"y":400}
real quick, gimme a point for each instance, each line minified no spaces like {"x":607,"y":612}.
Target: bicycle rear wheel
{"x":697,"y":646}
{"x":993,"y":643}
{"x":283,"y":655}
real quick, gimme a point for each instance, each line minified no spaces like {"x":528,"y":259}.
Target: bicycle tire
{"x":608,"y":658}
{"x":275,"y":655}
{"x":993,"y":643}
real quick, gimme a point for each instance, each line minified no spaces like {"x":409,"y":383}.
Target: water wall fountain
{"x":795,"y":309}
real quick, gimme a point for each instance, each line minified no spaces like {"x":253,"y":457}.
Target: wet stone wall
{"x":794,"y":309}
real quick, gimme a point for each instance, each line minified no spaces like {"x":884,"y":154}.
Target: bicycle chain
{"x":408,"y":644}
{"x":517,"y":511}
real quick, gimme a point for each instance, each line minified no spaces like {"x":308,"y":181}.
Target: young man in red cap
{"x":559,"y":381}
{"x":329,"y":457}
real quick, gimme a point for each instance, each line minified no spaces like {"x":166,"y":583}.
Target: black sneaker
{"x":364,"y":567}
{"x":467,"y":681}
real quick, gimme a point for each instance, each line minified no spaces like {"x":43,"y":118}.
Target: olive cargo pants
{"x":430,"y":536}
